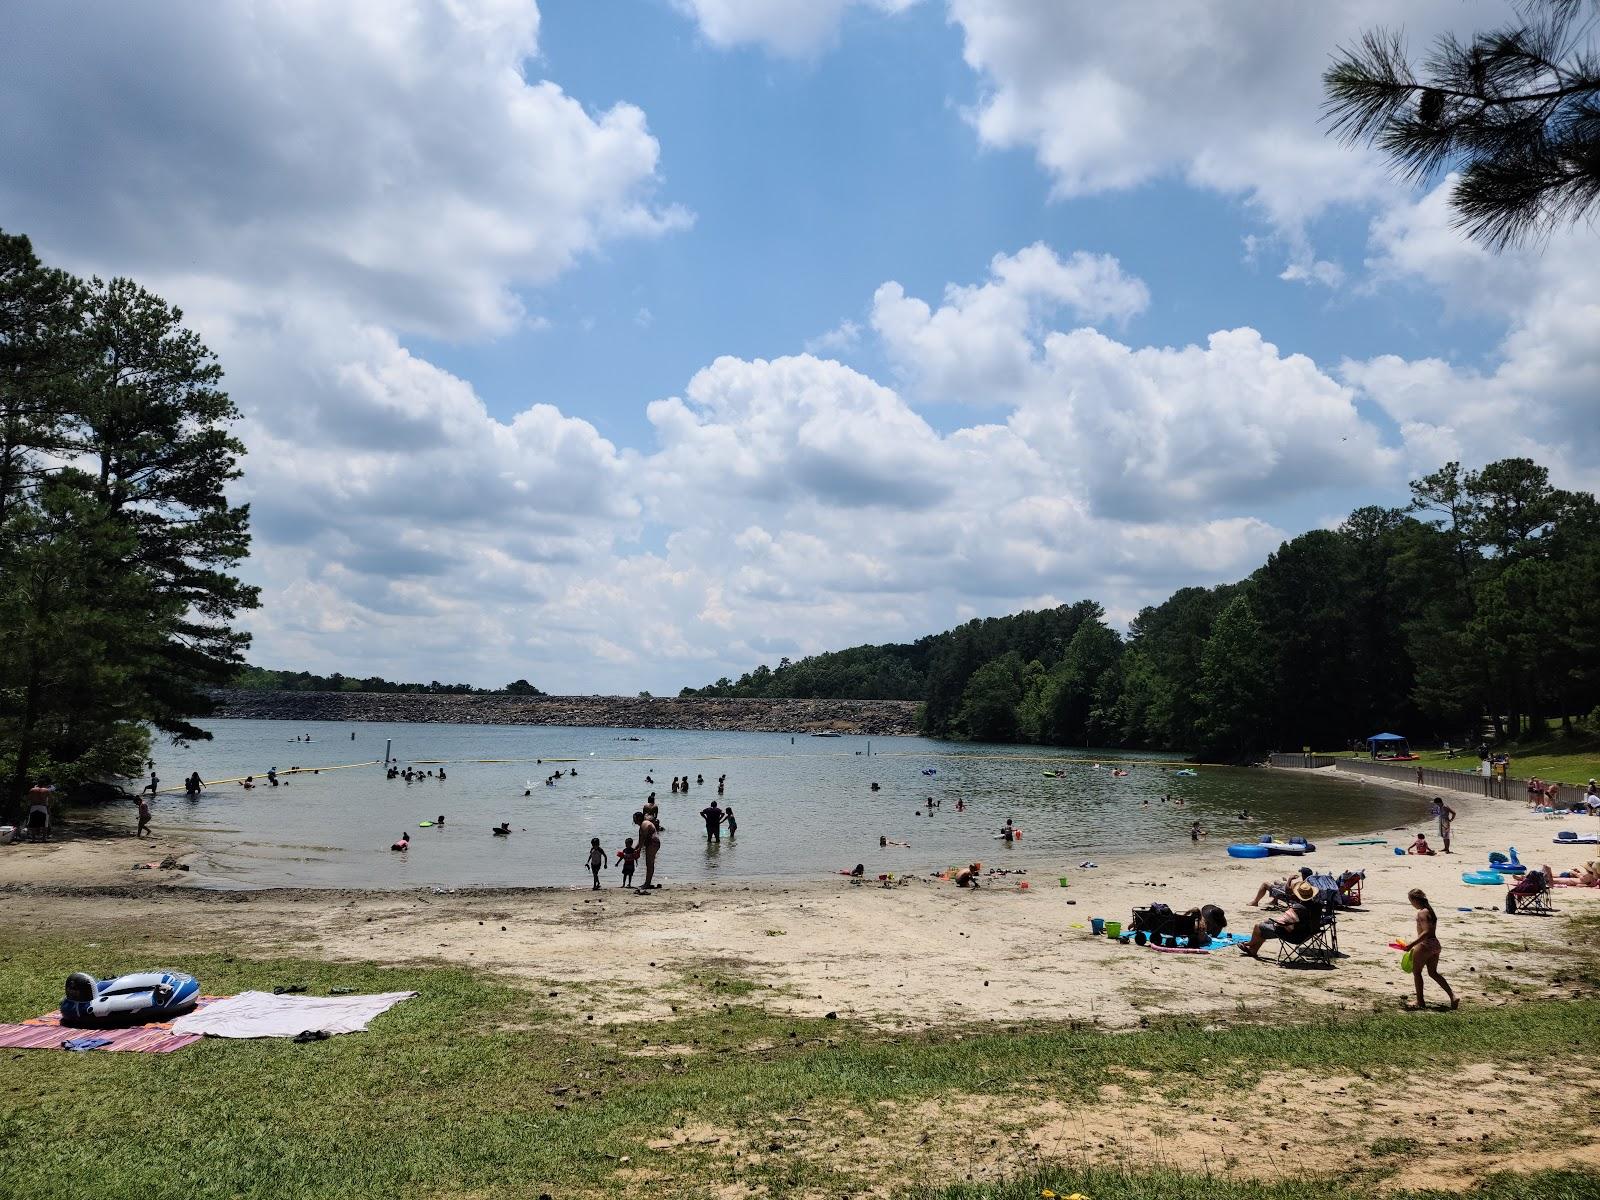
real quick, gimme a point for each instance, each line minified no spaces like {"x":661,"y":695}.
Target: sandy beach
{"x":917,"y":952}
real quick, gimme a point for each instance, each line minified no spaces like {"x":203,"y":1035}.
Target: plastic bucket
{"x":1405,"y":962}
{"x":1113,"y":929}
{"x":1097,"y":925}
{"x":1063,"y":881}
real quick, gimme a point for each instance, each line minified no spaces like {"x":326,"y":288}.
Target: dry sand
{"x":919,"y":952}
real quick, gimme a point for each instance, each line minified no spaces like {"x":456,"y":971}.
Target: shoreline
{"x":864,"y":718}
{"x":918,"y":952}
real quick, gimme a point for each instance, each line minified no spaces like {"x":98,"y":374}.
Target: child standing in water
{"x":627,"y":856}
{"x":596,"y":860}
{"x":1425,"y":948}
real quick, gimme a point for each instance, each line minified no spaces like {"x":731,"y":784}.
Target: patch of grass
{"x":479,"y":1088}
{"x":1386,"y":1146}
{"x":1573,"y":759}
{"x":1172,"y":1185}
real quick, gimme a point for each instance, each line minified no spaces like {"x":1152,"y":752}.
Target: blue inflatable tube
{"x":1248,"y":850}
{"x":128,"y":999}
{"x":1484,"y":877}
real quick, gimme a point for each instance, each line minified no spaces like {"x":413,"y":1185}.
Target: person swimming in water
{"x":403,"y":844}
{"x":502,"y":830}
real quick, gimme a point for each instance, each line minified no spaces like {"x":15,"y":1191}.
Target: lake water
{"x":804,"y":805}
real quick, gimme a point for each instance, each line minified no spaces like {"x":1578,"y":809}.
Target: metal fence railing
{"x":1435,"y":778}
{"x":1308,"y":761}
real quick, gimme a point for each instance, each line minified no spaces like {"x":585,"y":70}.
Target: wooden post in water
{"x":387,"y":744}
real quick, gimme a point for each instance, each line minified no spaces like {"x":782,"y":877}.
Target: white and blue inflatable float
{"x":128,"y":999}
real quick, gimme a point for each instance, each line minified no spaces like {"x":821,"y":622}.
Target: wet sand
{"x":920,"y":951}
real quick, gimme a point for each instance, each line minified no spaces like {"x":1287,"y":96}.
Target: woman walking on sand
{"x":1425,"y":949}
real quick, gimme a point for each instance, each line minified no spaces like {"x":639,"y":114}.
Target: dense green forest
{"x":261,"y":679}
{"x":1479,"y":601}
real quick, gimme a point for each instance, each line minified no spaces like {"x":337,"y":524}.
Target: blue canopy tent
{"x":1393,"y":745}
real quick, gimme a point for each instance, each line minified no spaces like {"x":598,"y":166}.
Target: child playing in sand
{"x":1420,"y":846}
{"x":967,"y":877}
{"x":596,"y":860}
{"x":1425,"y":948}
{"x":627,"y":856}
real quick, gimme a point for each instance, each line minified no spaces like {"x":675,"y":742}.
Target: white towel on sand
{"x":262,"y":1015}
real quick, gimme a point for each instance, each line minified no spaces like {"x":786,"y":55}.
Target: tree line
{"x":1478,"y":601}
{"x":261,"y":679}
{"x":118,"y":542}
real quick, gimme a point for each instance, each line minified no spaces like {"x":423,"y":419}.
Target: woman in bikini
{"x":1425,"y":948}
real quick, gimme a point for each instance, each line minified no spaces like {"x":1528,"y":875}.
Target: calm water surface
{"x":804,"y":806}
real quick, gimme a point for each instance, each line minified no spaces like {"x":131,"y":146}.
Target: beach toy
{"x":1113,"y":929}
{"x":1400,"y":851}
{"x":1405,"y":962}
{"x":1484,"y":877}
{"x":1097,"y":925}
{"x":424,"y":824}
{"x":1247,"y":850}
{"x":1364,"y":842}
{"x":1023,"y":886}
{"x":1063,"y":881}
{"x":128,"y":999}
{"x":1016,"y":835}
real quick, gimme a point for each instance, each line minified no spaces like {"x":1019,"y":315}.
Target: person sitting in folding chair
{"x":1298,"y":923}
{"x":1531,"y":894}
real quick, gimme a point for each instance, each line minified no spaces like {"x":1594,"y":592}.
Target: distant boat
{"x":826,"y":735}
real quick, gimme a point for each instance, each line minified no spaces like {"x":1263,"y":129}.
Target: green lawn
{"x":1171,"y":1185}
{"x":480,"y":1089}
{"x":1561,"y":759}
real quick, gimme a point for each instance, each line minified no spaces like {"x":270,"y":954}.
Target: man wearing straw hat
{"x":1298,"y":918}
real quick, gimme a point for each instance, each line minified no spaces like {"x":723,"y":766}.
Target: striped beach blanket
{"x":47,"y":1033}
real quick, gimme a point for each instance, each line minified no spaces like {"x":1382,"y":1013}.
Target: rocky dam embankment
{"x":878,"y":718}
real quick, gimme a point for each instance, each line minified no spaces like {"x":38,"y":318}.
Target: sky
{"x":620,"y":346}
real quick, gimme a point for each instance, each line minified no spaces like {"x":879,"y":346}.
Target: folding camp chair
{"x":1534,"y":903}
{"x":1317,"y":948}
